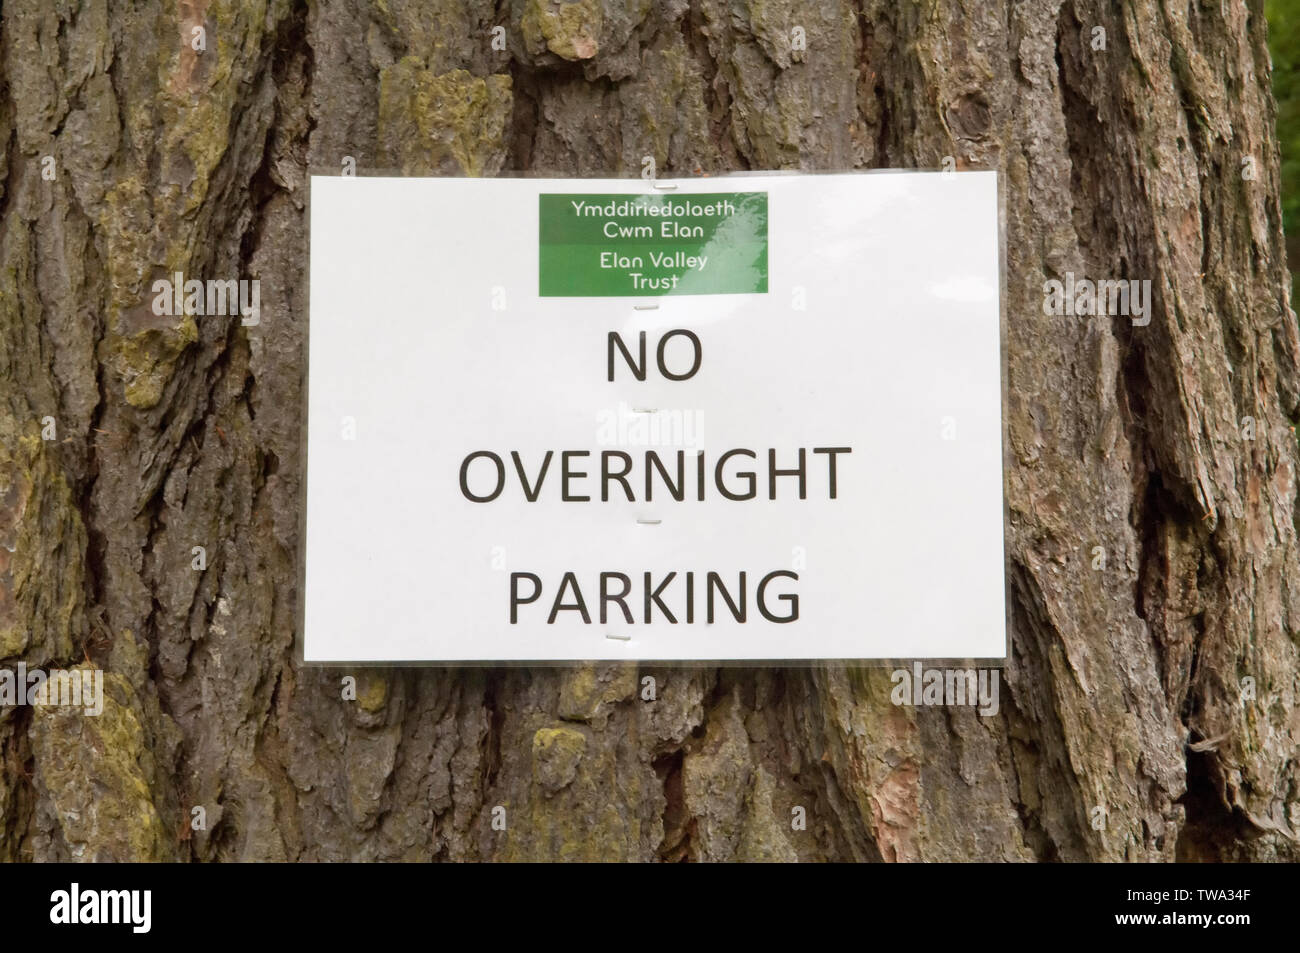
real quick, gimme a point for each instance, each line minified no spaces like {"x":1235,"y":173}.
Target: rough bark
{"x":1124,"y":691}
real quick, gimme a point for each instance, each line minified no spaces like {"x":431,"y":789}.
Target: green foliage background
{"x":1284,"y":45}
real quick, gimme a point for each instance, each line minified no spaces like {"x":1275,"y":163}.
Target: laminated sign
{"x":750,"y":417}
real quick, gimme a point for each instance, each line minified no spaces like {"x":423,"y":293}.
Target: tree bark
{"x":1149,"y":710}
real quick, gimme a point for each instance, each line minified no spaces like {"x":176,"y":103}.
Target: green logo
{"x":635,"y":245}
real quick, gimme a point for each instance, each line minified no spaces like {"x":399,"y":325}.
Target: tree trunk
{"x":1149,"y":710}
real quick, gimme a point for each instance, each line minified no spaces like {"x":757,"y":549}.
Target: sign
{"x":748,"y":418}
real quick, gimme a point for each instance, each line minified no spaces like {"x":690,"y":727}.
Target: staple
{"x":645,"y":307}
{"x":650,"y":522}
{"x":621,"y":638}
{"x":663,"y":186}
{"x":644,"y":410}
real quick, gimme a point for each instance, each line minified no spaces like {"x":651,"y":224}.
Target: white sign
{"x":500,"y":466}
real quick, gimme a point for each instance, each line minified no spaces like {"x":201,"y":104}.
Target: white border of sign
{"x":733,"y":182}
